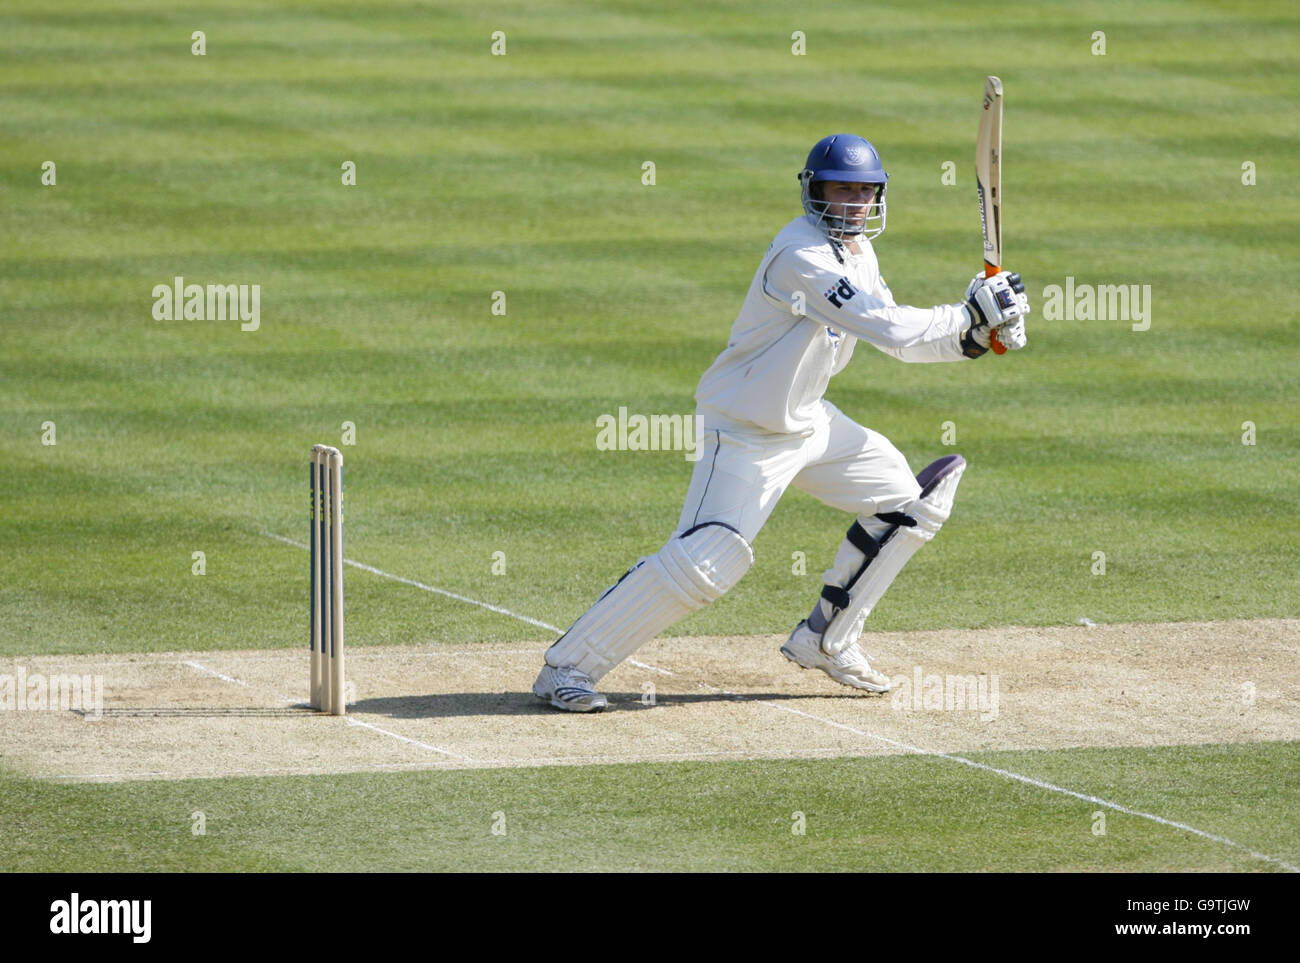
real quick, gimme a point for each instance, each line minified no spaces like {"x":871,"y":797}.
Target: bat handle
{"x":997,"y":346}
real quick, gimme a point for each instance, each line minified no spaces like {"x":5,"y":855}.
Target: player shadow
{"x":451,"y":704}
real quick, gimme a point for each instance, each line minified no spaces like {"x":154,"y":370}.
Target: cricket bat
{"x":988,"y":182}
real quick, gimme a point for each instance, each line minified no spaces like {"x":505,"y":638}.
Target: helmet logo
{"x":857,"y":156}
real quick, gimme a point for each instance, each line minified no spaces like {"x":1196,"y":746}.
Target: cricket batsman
{"x":766,"y":426}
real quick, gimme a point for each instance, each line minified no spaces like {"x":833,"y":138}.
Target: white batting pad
{"x":686,"y":574}
{"x":930,"y":512}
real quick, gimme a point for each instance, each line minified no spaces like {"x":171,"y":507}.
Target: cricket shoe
{"x":568,"y":688}
{"x":804,"y":648}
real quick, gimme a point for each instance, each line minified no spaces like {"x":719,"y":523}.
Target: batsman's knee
{"x":703,"y":563}
{"x":938,"y":481}
{"x":870,"y":558}
{"x":922,"y":515}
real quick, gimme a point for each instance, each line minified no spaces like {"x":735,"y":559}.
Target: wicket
{"x":326,"y":539}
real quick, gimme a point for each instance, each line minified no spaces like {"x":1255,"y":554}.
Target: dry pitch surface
{"x":208,"y":714}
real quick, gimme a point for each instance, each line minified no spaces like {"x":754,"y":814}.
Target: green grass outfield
{"x":899,"y":814}
{"x":475,"y":432}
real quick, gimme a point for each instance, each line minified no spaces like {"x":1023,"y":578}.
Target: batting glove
{"x":1012,"y":336}
{"x":997,"y":301}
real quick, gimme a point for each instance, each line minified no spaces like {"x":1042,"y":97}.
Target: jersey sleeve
{"x":906,"y":333}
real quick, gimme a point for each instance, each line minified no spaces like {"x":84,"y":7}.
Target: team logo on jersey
{"x":842,"y":292}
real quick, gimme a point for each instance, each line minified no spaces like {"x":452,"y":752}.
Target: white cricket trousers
{"x":738,"y":480}
{"x":740,"y":477}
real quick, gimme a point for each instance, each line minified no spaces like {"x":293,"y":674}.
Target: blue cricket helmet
{"x":850,"y":159}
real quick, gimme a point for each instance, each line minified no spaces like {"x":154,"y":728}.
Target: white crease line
{"x":453,"y":595}
{"x":942,"y":755}
{"x":428,"y":588}
{"x":414,"y":742}
{"x":203,"y":668}
{"x":225,"y":678}
{"x":1028,"y":780}
{"x":739,"y":697}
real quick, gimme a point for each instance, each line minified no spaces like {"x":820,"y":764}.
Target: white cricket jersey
{"x":809,"y":303}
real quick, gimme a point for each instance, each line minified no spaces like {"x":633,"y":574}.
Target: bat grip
{"x":997,"y":346}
